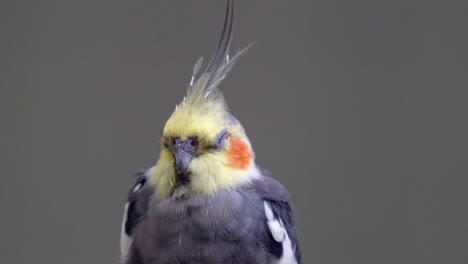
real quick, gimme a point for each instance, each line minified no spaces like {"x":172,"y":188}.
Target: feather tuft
{"x":204,"y":89}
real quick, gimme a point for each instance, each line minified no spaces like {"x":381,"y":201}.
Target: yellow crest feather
{"x":203,"y":114}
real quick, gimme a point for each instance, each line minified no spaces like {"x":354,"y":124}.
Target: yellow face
{"x":204,"y":150}
{"x":205,"y":122}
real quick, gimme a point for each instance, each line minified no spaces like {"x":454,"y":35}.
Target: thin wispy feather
{"x":204,"y":88}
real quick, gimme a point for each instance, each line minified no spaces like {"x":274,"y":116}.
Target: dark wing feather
{"x":137,"y":208}
{"x":282,"y":210}
{"x":138,"y":198}
{"x":277,"y":197}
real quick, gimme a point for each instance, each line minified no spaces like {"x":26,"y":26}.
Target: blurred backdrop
{"x":358,"y":107}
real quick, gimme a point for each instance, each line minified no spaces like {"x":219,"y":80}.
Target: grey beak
{"x":182,"y":161}
{"x":184,"y":152}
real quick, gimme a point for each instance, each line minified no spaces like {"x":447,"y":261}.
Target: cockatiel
{"x":206,"y":201}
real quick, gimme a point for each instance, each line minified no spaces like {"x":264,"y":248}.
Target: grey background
{"x":358,"y":107}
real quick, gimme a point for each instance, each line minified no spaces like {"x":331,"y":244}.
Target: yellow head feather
{"x":203,"y":114}
{"x":197,"y":114}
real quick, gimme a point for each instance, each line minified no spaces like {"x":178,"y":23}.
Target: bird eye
{"x":193,"y":141}
{"x":222,"y":138}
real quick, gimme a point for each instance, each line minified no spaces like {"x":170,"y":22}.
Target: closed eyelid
{"x":222,"y":138}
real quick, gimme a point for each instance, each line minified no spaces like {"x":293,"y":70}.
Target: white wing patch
{"x":275,"y":225}
{"x":137,"y":187}
{"x":125,"y":240}
{"x":280,"y":235}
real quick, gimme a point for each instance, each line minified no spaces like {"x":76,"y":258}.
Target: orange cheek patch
{"x":240,"y":155}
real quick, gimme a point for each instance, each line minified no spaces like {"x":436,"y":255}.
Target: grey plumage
{"x":246,"y":219}
{"x":230,"y":227}
{"x":136,"y":208}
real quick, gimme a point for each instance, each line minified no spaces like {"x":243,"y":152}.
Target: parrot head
{"x":203,"y":147}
